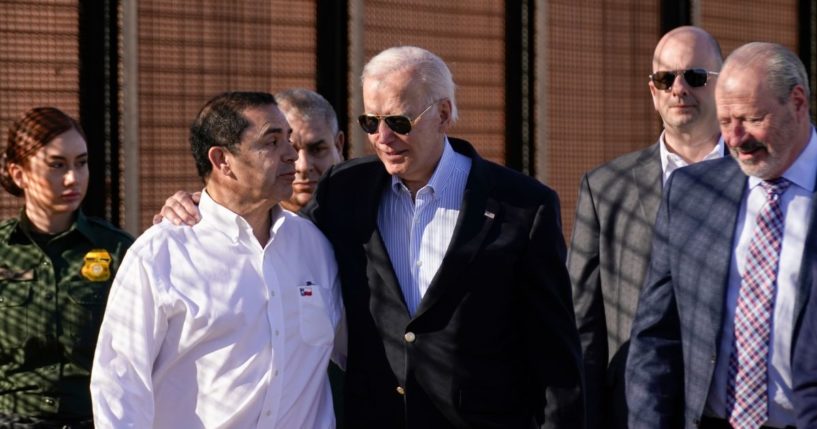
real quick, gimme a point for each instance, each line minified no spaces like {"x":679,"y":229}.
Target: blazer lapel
{"x":722,"y":215}
{"x":379,"y":263}
{"x":477,"y":214}
{"x":648,"y":178}
{"x":388,"y":288}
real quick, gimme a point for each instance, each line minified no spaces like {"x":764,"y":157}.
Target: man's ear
{"x":17,"y":175}
{"x":445,"y":115}
{"x":219,"y":160}
{"x":654,"y":93}
{"x":800,"y":102}
{"x":340,"y":141}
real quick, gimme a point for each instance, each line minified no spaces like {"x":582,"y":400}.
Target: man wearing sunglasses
{"x":616,"y":210}
{"x":452,"y":267}
{"x":733,"y":262}
{"x":457,"y":297}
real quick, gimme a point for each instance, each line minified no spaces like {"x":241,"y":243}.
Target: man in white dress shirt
{"x":229,"y":323}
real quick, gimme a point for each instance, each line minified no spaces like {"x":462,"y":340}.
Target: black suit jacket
{"x":494,"y":336}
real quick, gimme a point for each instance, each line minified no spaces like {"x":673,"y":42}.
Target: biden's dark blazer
{"x":677,"y":328}
{"x":494,"y":342}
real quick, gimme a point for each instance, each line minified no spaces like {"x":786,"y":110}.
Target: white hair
{"x":426,"y":67}
{"x":784,"y":70}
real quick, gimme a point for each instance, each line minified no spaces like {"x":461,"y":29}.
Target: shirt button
{"x":410,"y":337}
{"x":276,"y":332}
{"x":419,"y":263}
{"x":400,"y":390}
{"x":49,"y":401}
{"x":268,"y":413}
{"x":712,"y":358}
{"x":276,"y":372}
{"x":272,"y":293}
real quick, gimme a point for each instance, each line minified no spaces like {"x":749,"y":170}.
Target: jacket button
{"x":409,"y":337}
{"x":400,"y":390}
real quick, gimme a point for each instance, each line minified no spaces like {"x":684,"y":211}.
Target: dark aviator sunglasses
{"x":400,"y":124}
{"x":694,"y":77}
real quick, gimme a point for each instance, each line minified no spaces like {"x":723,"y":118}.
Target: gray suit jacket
{"x":608,"y":260}
{"x":676,"y":332}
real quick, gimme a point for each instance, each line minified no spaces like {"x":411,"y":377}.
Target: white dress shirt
{"x":796,"y":206}
{"x":417,"y":232}
{"x":205,"y":328}
{"x":672,"y":161}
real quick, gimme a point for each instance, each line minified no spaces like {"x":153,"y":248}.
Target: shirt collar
{"x":231,"y":224}
{"x":673,"y":161}
{"x":80,"y":224}
{"x":83,"y":225}
{"x":801,"y":173}
{"x":439,"y":179}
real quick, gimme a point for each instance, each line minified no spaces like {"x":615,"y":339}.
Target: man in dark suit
{"x":457,"y":298}
{"x":618,"y":202}
{"x":730,"y":260}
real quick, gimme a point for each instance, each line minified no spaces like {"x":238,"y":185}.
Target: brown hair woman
{"x":56,"y":266}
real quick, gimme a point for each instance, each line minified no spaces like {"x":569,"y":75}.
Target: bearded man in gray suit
{"x":618,"y":202}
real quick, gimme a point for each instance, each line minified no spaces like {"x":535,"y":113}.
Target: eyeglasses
{"x":400,"y":124}
{"x":694,"y":77}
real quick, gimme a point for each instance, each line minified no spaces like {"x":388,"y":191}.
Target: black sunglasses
{"x":400,"y":124}
{"x":694,"y":77}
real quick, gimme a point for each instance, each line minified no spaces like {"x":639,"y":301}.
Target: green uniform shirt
{"x":52,"y":299}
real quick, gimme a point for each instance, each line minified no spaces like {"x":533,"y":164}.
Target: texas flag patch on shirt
{"x":306,"y":290}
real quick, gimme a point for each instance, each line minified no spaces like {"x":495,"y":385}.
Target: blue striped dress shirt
{"x":417,"y":232}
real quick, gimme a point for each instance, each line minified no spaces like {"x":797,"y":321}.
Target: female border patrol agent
{"x":56,"y":267}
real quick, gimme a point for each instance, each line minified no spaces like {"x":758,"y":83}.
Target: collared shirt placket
{"x":273,"y":294}
{"x":421,"y":203}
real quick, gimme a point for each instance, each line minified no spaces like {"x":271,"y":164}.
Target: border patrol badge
{"x":97,"y":265}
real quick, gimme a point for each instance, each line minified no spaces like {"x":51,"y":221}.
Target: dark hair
{"x":221,"y":122}
{"x":35,"y":129}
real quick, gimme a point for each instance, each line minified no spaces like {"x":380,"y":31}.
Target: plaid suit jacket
{"x":677,"y":327}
